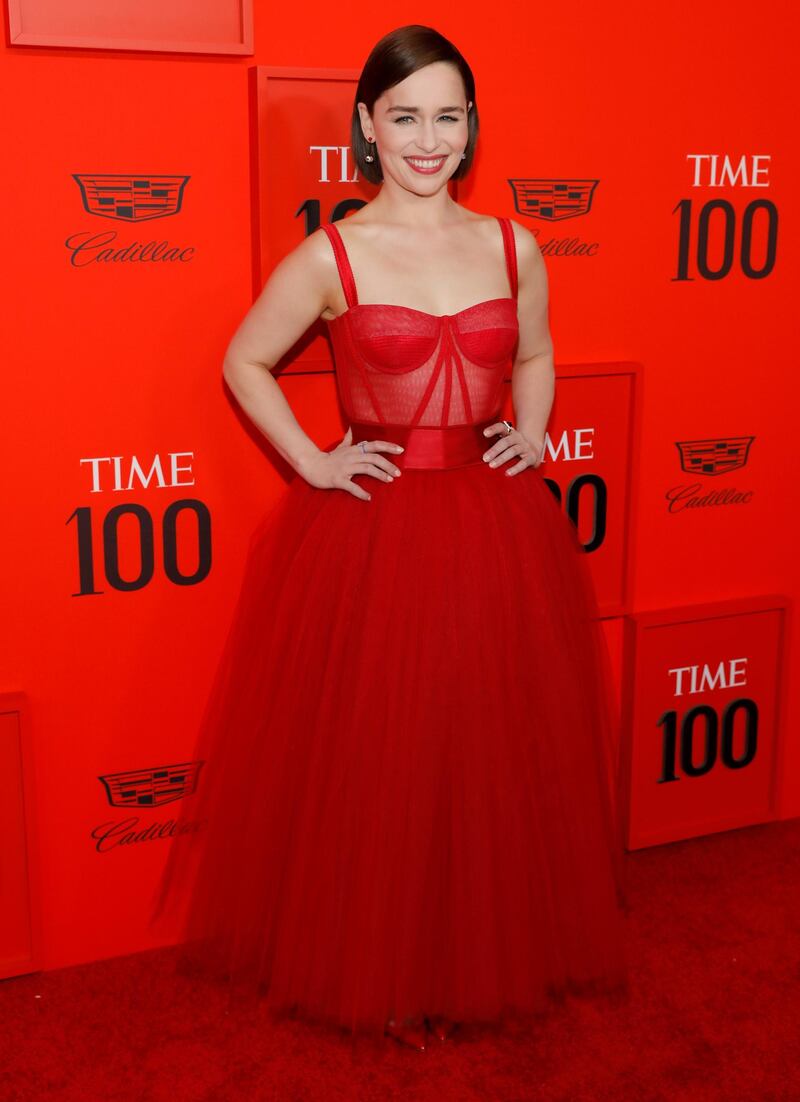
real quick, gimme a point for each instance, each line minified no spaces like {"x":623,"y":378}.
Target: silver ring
{"x":509,"y":427}
{"x":361,"y":445}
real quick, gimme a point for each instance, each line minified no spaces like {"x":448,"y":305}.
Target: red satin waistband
{"x":430,"y":446}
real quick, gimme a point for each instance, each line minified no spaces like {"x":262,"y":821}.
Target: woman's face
{"x":420,"y":128}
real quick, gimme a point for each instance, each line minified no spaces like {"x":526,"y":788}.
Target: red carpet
{"x":712,"y":1013}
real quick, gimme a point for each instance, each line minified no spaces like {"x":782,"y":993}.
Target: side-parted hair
{"x":394,"y":57}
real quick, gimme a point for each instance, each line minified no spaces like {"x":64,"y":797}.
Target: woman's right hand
{"x":334,"y":469}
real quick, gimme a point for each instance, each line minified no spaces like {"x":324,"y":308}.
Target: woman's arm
{"x":533,"y":375}
{"x":294,"y":296}
{"x":292,"y":299}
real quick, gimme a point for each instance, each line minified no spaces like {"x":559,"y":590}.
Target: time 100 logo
{"x":139,"y":524}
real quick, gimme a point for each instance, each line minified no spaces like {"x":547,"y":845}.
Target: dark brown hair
{"x":397,"y":55}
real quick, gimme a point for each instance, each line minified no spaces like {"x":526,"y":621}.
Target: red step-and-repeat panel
{"x":163,"y":163}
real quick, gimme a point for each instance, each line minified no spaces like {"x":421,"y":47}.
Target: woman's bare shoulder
{"x":525,"y":241}
{"x":313,"y":255}
{"x":305,"y":279}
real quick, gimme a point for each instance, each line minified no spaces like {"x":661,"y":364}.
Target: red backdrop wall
{"x":110,"y":364}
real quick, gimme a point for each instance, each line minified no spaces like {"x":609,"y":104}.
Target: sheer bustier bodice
{"x":398,"y":365}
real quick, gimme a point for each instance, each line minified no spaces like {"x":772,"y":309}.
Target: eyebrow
{"x":417,"y":110}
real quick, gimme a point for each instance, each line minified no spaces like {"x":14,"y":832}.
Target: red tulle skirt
{"x":410,"y":769}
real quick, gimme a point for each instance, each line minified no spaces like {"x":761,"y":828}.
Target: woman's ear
{"x":366,"y":121}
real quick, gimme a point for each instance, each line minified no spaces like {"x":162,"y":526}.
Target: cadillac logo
{"x":152,"y":787}
{"x":553,"y":200}
{"x":712,"y":457}
{"x":129,"y":198}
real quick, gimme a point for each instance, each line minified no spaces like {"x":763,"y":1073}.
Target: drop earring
{"x":368,"y":156}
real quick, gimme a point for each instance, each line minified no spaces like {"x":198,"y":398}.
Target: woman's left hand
{"x":512,"y":445}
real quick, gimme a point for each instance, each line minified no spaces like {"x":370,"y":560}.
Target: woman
{"x":408,"y":741}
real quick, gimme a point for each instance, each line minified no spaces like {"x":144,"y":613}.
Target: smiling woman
{"x":446,"y":131}
{"x":408,"y":740}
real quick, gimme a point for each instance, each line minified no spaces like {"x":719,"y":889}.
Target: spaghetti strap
{"x":343,"y":264}
{"x":511,"y":253}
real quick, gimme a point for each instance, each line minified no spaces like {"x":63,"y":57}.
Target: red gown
{"x":409,"y":765}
